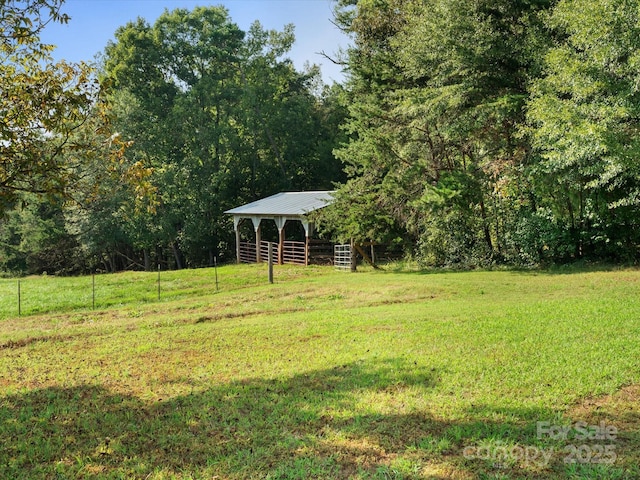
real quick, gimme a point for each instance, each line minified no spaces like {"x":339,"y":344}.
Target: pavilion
{"x":280,"y":208}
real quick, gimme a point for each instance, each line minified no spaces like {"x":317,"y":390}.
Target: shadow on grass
{"x":307,"y":426}
{"x":578,"y":267}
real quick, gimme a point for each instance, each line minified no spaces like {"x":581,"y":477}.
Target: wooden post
{"x":19,"y":300}
{"x":308,"y":234}
{"x":280,"y":223}
{"x":353,"y":256}
{"x":215,"y":267}
{"x":270,"y":257}
{"x":158,"y":281}
{"x":237,"y":245}
{"x":93,"y":291}
{"x":281,"y":246}
{"x":258,"y":242}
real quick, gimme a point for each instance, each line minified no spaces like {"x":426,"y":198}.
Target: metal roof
{"x":285,"y":203}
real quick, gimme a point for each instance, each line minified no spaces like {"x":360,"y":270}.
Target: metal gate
{"x":342,"y":257}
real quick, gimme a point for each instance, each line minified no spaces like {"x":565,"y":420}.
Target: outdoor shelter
{"x":281,"y":208}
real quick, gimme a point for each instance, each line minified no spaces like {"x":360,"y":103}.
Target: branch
{"x":334,"y":61}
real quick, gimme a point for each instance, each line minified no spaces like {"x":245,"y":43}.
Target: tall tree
{"x":438,"y":90}
{"x":585,"y":122}
{"x":222,"y":117}
{"x":42,"y":105}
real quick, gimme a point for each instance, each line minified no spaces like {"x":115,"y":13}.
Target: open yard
{"x":374,"y":375}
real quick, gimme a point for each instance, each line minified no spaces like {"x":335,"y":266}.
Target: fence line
{"x":44,"y":295}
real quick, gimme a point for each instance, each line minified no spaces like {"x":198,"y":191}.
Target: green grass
{"x":374,"y":375}
{"x":46,"y":294}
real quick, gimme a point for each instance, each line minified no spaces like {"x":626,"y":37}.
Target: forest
{"x":470,"y":133}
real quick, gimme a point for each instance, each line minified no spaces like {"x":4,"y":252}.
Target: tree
{"x":222,"y":118}
{"x":42,"y":105}
{"x":34,"y":238}
{"x":437,"y":91}
{"x":585,"y":122}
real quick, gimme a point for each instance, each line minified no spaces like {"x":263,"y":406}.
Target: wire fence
{"x":49,"y":294}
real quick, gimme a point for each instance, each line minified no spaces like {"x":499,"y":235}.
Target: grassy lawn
{"x":374,"y":375}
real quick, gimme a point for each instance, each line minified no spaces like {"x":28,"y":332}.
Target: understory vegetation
{"x":374,"y":375}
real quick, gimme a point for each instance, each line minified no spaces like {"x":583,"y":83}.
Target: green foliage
{"x":34,"y":239}
{"x":437,"y":91}
{"x":585,"y":120}
{"x":57,"y":145}
{"x":494,"y":131}
{"x":43,"y":107}
{"x":222,"y":118}
{"x":208,"y":117}
{"x":472,"y":133}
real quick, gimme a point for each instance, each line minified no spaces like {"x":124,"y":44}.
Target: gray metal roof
{"x":285,"y":203}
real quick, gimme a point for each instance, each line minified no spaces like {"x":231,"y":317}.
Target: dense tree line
{"x":57,"y":142}
{"x":209,"y":117}
{"x":493,"y":131}
{"x":472,"y":132}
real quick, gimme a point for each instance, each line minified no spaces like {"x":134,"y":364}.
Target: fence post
{"x":158,"y":281}
{"x":215,"y":268}
{"x":353,"y":256}
{"x":19,"y":300}
{"x":93,"y":291}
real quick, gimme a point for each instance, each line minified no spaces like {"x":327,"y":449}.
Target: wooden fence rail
{"x":264,"y":251}
{"x":294,"y":252}
{"x":247,"y":252}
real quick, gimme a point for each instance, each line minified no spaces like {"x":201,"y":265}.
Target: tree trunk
{"x":147,"y":259}
{"x":176,"y":254}
{"x":485,"y":227}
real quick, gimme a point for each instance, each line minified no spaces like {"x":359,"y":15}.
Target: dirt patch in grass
{"x":622,"y":407}
{"x":252,"y":313}
{"x":223,"y":316}
{"x":620,"y":410}
{"x":403,"y":300}
{"x":311,"y":338}
{"x":13,"y":344}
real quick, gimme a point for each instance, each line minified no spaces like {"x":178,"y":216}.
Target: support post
{"x":258,"y":242}
{"x":215,"y":267}
{"x":256,"y":226}
{"x":280,"y":223}
{"x":270,"y":262}
{"x":308,"y":233}
{"x":236,"y":222}
{"x":237,"y":246}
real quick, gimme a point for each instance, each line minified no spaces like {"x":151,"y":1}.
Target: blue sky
{"x":93,"y":23}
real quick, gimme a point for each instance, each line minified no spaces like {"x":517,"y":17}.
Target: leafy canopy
{"x":44,"y":107}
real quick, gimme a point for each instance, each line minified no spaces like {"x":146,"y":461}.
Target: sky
{"x":94,"y":22}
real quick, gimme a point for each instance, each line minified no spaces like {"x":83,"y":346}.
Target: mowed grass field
{"x":374,"y":375}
